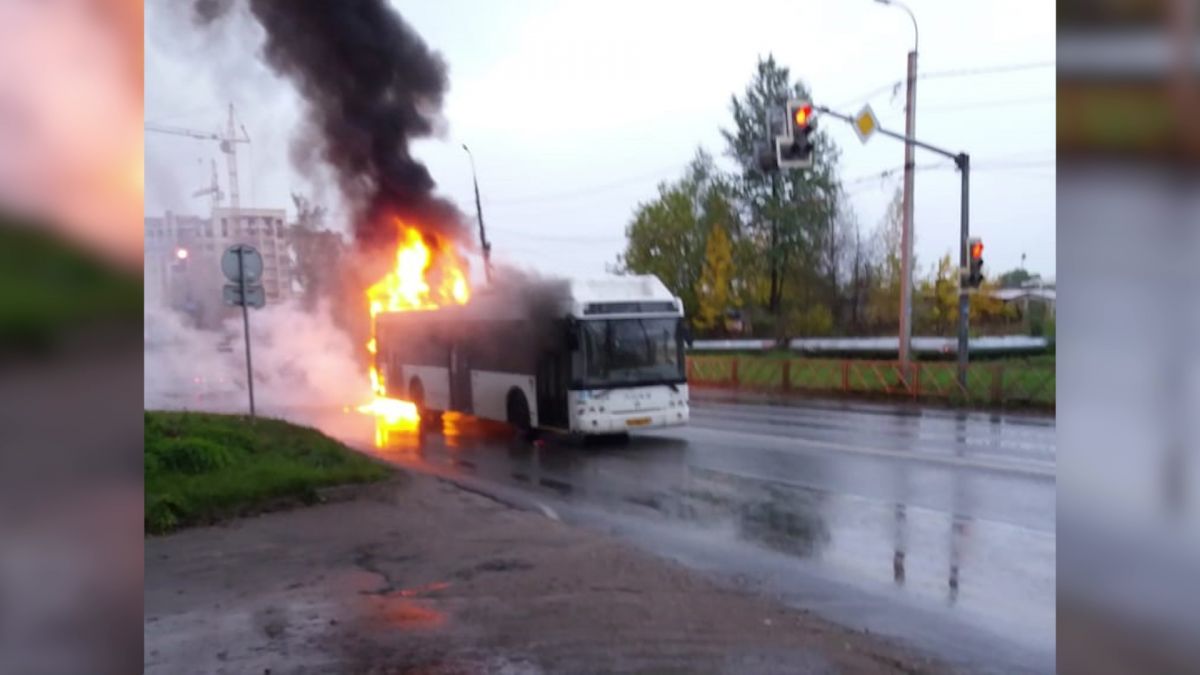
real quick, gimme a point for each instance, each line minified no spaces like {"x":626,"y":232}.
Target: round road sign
{"x":251,"y":263}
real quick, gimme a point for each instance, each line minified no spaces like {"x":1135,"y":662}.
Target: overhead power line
{"x":985,"y":70}
{"x":538,"y":236}
{"x":583,"y":191}
{"x":982,"y":164}
{"x":939,"y":74}
{"x":1000,"y":103}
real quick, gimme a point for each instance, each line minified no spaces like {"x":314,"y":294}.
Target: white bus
{"x":602,"y":356}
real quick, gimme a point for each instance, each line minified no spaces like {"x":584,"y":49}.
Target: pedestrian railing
{"x":987,"y":383}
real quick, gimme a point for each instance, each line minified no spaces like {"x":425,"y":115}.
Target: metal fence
{"x":1000,"y":384}
{"x":992,"y":344}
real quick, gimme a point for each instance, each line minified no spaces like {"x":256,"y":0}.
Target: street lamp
{"x":894,"y":3}
{"x":483,"y":242}
{"x":906,"y":230}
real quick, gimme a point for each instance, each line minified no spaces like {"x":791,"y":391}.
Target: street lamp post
{"x":483,"y":242}
{"x":906,"y":231}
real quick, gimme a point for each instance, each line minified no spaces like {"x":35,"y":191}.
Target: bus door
{"x":553,"y":378}
{"x":460,"y":379}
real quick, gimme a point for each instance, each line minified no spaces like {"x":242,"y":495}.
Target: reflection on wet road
{"x":934,"y":526}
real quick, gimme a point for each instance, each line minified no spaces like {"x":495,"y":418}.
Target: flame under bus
{"x":607,"y":358}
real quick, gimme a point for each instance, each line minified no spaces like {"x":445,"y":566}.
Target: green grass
{"x":202,"y":468}
{"x":1009,"y":381}
{"x":49,"y":287}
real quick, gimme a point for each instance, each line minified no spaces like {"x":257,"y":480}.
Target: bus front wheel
{"x":518,"y":413}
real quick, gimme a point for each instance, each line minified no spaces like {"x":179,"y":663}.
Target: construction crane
{"x":228,"y":140}
{"x":214,"y":189}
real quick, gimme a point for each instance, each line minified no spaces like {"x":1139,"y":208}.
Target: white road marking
{"x":1029,"y":468}
{"x":548,"y":512}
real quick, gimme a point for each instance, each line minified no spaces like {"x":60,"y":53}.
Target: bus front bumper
{"x":620,"y":422}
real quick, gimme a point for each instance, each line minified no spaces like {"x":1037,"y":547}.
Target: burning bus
{"x":601,"y":356}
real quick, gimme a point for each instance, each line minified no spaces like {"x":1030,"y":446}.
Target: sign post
{"x":242,"y":264}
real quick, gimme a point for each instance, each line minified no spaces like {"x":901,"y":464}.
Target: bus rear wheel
{"x":518,"y":414}
{"x":430,"y":419}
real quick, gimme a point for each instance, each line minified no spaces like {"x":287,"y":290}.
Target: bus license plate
{"x":637,"y":422}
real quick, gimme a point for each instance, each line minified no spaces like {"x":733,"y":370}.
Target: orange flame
{"x":428,"y":273}
{"x":423,"y":278}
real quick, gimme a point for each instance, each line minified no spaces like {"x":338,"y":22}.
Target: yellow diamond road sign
{"x":865,"y":123}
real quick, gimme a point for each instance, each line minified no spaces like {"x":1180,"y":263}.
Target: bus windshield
{"x":629,"y":351}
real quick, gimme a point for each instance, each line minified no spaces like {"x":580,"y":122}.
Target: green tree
{"x":668,"y":235}
{"x":788,"y":214}
{"x":938,"y":302}
{"x":938,"y":299}
{"x":1015,"y":277}
{"x":713,"y":289}
{"x":986,"y":308}
{"x":883,"y":297}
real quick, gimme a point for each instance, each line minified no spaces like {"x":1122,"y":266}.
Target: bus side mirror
{"x":686,"y":330}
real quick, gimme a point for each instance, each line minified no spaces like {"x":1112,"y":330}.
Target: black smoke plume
{"x":371,"y":86}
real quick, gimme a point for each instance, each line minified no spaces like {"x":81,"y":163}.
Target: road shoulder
{"x":417,"y":574}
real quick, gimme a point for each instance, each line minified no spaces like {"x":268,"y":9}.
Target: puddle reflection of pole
{"x":958,"y":521}
{"x":958,"y":535}
{"x":900,"y":538}
{"x":900,"y":511}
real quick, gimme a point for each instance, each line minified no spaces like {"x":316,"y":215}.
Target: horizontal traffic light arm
{"x":958,"y":157}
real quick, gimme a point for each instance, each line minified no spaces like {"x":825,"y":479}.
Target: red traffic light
{"x":801,"y":115}
{"x":976,"y":250}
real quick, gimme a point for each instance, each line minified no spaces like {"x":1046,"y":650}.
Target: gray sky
{"x":576,"y":110}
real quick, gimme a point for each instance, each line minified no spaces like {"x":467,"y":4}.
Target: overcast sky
{"x":575,"y":111}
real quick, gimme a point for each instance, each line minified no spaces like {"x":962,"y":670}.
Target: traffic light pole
{"x":963,"y":161}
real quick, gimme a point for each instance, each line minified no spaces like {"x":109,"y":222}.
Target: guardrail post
{"x":786,"y":384}
{"x":998,"y":384}
{"x":733,"y":372}
{"x":691,"y":367}
{"x":845,"y":376}
{"x":916,"y":383}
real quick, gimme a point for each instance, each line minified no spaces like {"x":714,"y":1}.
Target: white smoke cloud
{"x":304,"y":366}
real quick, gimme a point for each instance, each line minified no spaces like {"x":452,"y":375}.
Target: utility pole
{"x":906,"y":228}
{"x":483,"y":242}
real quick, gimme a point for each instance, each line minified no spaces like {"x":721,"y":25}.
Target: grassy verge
{"x":49,"y":288}
{"x":1004,"y":382}
{"x":202,"y":468}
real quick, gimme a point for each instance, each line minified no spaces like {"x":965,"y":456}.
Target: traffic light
{"x":799,"y":115}
{"x":975,"y":269}
{"x":794,"y":150}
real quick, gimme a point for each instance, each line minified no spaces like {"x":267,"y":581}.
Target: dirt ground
{"x":419,"y":576}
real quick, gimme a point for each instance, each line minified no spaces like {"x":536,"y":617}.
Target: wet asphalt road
{"x":936,"y":527}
